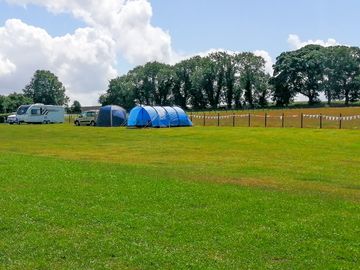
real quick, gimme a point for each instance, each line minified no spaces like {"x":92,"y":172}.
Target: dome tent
{"x":111,"y":116}
{"x":149,"y":116}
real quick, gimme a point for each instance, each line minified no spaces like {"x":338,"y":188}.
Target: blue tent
{"x":111,"y":116}
{"x":149,"y":116}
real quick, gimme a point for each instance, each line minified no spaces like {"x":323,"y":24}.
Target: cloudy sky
{"x":87,"y":42}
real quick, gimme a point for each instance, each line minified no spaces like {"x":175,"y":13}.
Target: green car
{"x":87,"y":118}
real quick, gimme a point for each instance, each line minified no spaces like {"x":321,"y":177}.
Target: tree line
{"x":219,"y":80}
{"x":224,"y":80}
{"x":45,"y":88}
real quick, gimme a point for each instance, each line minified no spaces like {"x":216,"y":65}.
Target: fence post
{"x":218,"y":119}
{"x":233,"y":119}
{"x":265,"y":119}
{"x":302,"y":120}
{"x":340,"y":121}
{"x":249,"y":120}
{"x":204,"y":120}
{"x":191,"y":117}
{"x":321,"y":121}
{"x":283,"y":120}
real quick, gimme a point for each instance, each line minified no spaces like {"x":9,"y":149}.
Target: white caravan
{"x":40,"y":113}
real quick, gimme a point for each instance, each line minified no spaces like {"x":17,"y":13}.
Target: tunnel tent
{"x":111,"y":116}
{"x":156,"y":116}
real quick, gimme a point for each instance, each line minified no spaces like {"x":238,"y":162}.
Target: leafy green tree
{"x":354,"y":94}
{"x":281,"y":93}
{"x":182,"y":87}
{"x":13,"y":101}
{"x":300,"y":71}
{"x":2,"y":99}
{"x":262,"y":90}
{"x":225,"y":68}
{"x":208,"y":82}
{"x":76,"y":107}
{"x":163,"y":91}
{"x":341,"y":73}
{"x":252,"y":78}
{"x":135,"y":77}
{"x":46,"y":88}
{"x":198,"y":99}
{"x":120,"y":92}
{"x":152,"y":83}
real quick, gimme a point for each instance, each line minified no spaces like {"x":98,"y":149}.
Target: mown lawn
{"x":202,"y":198}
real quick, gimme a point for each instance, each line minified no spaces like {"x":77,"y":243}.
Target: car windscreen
{"x":22,"y":110}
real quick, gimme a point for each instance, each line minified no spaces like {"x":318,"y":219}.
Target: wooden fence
{"x":284,"y":120}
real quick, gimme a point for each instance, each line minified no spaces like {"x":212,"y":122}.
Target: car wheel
{"x":77,"y":123}
{"x":92,"y":123}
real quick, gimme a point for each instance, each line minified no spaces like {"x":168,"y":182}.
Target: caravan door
{"x":36,"y":115}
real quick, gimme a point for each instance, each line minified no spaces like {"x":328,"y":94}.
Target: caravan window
{"x":22,"y":109}
{"x":35,"y":111}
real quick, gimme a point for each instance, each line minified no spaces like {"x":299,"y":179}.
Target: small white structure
{"x":40,"y":113}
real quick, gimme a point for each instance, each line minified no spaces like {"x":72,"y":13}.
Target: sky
{"x":88,"y":42}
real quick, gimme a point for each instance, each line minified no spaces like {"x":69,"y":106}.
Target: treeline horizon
{"x":239,"y":80}
{"x":220,"y":80}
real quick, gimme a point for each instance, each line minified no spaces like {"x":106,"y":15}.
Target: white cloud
{"x":86,"y":59}
{"x":82,"y":61}
{"x":296,"y":43}
{"x":127,"y":22}
{"x":6,"y":66}
{"x":268,"y":60}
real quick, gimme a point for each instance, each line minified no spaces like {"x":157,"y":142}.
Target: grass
{"x":202,"y":198}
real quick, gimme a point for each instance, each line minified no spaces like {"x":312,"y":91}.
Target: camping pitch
{"x":158,"y":117}
{"x":111,"y":116}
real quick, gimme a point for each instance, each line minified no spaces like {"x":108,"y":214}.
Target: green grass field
{"x":185,"y":198}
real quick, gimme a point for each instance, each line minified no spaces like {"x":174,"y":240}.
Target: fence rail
{"x":284,"y":120}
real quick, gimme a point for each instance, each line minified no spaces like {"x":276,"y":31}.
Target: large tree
{"x":119,"y":92}
{"x":342,"y":71}
{"x":46,"y":88}
{"x":182,"y":87}
{"x":300,"y":71}
{"x":252,"y":78}
{"x":226,"y":68}
{"x":75,"y":107}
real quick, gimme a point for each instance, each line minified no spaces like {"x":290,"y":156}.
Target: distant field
{"x":292,"y":118}
{"x":202,"y":198}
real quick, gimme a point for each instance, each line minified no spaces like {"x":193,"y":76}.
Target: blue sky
{"x":256,"y":24}
{"x":105,"y":48}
